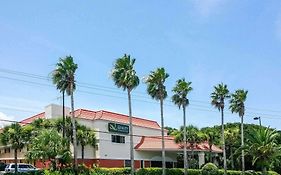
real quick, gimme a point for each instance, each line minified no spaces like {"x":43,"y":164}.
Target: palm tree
{"x":60,"y":80}
{"x":262,"y":146}
{"x":67,"y":68}
{"x":218,"y":96}
{"x":237,"y":105}
{"x":16,"y":137}
{"x":85,"y":136}
{"x":124,"y":76}
{"x":157,"y":90}
{"x":181,"y":91}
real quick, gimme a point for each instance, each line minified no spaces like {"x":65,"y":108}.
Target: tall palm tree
{"x":157,"y":90}
{"x":237,"y":105}
{"x":180,"y":98}
{"x":218,"y":96}
{"x":15,"y":136}
{"x":85,"y":136}
{"x":67,"y":68}
{"x":262,"y":147}
{"x":59,"y":78}
{"x":124,"y":76}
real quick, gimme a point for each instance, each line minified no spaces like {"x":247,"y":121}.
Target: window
{"x":142,"y":164}
{"x":127,"y":163}
{"x":23,"y":166}
{"x":117,"y":139}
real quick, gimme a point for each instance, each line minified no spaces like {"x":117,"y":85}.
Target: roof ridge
{"x":128,"y":116}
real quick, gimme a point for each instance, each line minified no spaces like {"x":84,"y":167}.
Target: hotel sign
{"x":118,"y":128}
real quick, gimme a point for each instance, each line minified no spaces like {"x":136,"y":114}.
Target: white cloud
{"x":207,"y":7}
{"x":5,"y":117}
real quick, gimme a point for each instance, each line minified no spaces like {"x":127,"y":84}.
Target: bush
{"x":111,"y":171}
{"x":172,"y":171}
{"x":210,"y":169}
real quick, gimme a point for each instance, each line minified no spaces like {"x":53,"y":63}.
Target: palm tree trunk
{"x":184,"y":141}
{"x":82,"y":153}
{"x":131,"y":134}
{"x":163,"y":142}
{"x":63,"y":116}
{"x":242,"y":144}
{"x":223,"y":142}
{"x":74,"y":130}
{"x":16,"y":161}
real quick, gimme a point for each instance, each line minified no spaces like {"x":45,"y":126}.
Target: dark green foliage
{"x":172,"y":171}
{"x":209,"y":169}
{"x":171,"y":130}
{"x":112,"y":171}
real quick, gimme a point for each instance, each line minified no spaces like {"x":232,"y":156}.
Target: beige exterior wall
{"x":9,"y":155}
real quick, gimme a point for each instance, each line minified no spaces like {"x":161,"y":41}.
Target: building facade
{"x":113,"y":147}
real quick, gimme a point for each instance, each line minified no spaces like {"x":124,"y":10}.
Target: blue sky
{"x":205,"y":41}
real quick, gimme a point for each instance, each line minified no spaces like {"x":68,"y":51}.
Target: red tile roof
{"x":103,"y":115}
{"x":31,"y":119}
{"x":121,"y":118}
{"x":155,"y":144}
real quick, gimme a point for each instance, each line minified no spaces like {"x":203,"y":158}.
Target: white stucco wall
{"x":109,"y":150}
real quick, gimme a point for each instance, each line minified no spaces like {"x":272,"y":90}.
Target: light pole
{"x":258,"y":118}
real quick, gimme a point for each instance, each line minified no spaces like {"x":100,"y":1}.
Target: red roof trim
{"x":141,"y":142}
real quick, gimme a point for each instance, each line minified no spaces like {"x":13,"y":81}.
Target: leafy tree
{"x":218,"y":97}
{"x":67,"y":125}
{"x":16,"y":136}
{"x":180,"y":98}
{"x":231,"y":137}
{"x":85,"y":136}
{"x":68,"y":68}
{"x":171,"y":131}
{"x":212,"y":137}
{"x":124,"y":76}
{"x":48,"y":145}
{"x":157,"y":90}
{"x":193,"y":137}
{"x":237,"y":105}
{"x":262,"y":145}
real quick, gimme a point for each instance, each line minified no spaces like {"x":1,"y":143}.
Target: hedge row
{"x":145,"y":171}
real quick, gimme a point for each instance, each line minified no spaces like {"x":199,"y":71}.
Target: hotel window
{"x":117,"y":139}
{"x":127,"y":163}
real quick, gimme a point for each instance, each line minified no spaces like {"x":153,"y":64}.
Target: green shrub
{"x":194,"y":172}
{"x":210,"y":169}
{"x":111,"y":171}
{"x":172,"y":171}
{"x":272,"y":173}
